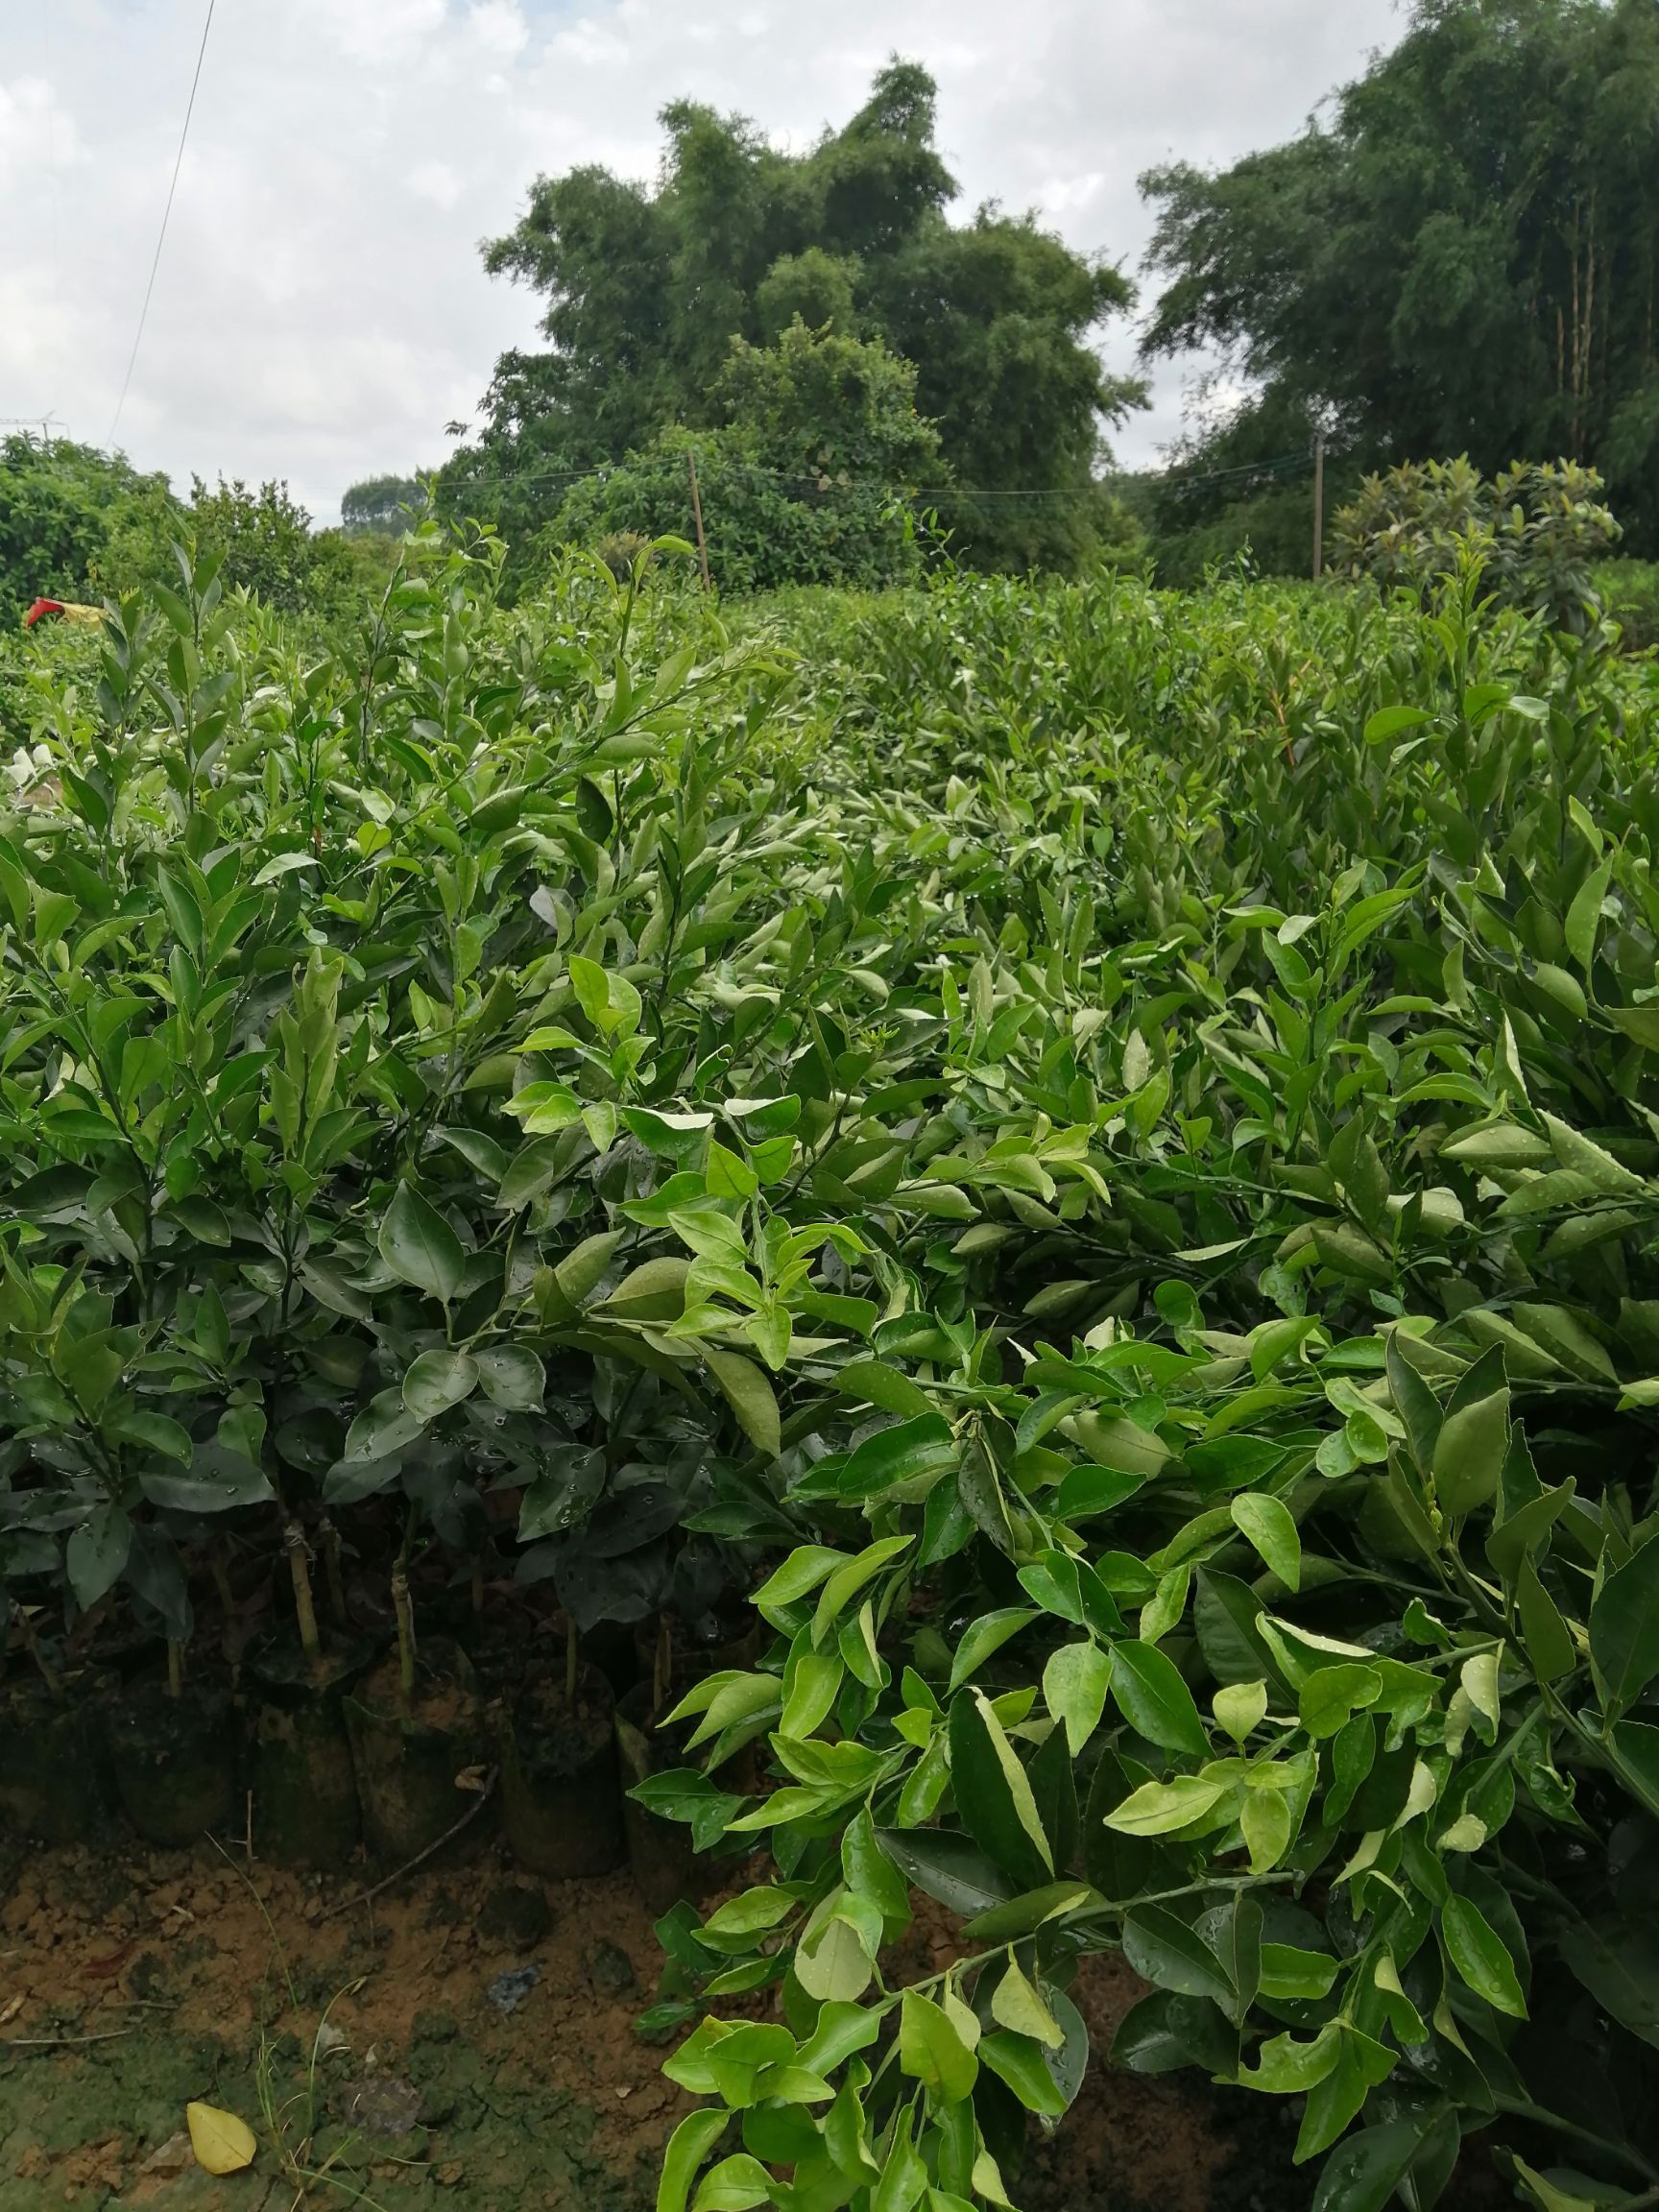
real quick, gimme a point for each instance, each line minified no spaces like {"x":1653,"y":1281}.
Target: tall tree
{"x":1462,"y":257}
{"x":645,"y":289}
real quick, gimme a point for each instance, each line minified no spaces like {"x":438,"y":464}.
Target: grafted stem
{"x":305,"y":1610}
{"x":405,"y":1611}
{"x":331,"y":1563}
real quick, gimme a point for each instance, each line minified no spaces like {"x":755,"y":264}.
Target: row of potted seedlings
{"x":360,"y":1102}
{"x":339,"y":1691}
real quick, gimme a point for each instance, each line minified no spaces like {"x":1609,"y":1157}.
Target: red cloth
{"x":39,"y":607}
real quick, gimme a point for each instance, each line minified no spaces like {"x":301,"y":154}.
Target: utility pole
{"x":1318,"y":504}
{"x":697,"y":513}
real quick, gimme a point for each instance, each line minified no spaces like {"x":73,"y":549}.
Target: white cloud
{"x":435,"y":180}
{"x":321,"y":312}
{"x":498,"y":27}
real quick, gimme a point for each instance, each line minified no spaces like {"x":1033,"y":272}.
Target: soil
{"x":476,"y":2049}
{"x":442,"y":1703}
{"x":191,"y":1965}
{"x":567,"y":1736}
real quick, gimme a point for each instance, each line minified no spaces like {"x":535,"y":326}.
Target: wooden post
{"x":1318,"y":504}
{"x":697,"y":512}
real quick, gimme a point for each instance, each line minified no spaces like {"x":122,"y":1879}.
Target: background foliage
{"x":1460,"y":258}
{"x":646,"y":291}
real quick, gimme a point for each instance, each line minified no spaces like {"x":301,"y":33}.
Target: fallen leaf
{"x":383,"y":2105}
{"x":222,"y":2143}
{"x":109,"y":1964}
{"x":170,"y":2158}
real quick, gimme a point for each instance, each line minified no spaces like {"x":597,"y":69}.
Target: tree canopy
{"x":1460,"y":257}
{"x":78,"y":524}
{"x":797,"y":481}
{"x":59,"y":502}
{"x":646,"y":288}
{"x":388,"y":505}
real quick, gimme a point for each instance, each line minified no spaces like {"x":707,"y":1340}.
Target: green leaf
{"x":1267,"y":1821}
{"x":1546,"y":1635}
{"x":1240,"y":1707}
{"x":750,"y":1396}
{"x":610,"y":1001}
{"x":1160,"y":1808}
{"x":1075,"y":1686}
{"x":1640,"y":1023}
{"x":932,"y":2051}
{"x":832,"y":1963}
{"x":1289,"y":1971}
{"x":511,"y":1377}
{"x":984,"y":1637}
{"x":1019,"y":2061}
{"x":438,"y":1381}
{"x":1544,"y":2196}
{"x":912,"y":1452}
{"x":1393,"y":722}
{"x":1366,"y":2167}
{"x":841,"y":2031}
{"x":153,"y":1434}
{"x":805,"y":1568}
{"x":812,"y":1683}
{"x":1023,"y":1916}
{"x":903,"y":2177}
{"x":736,"y":2184}
{"x":1479,"y":1952}
{"x":1635,"y":1748}
{"x":1285,"y":2067}
{"x":688,"y":2147}
{"x":420,"y":1247}
{"x":580,"y":1273}
{"x":385,"y":1426}
{"x":871,"y":1875}
{"x":851,"y":1576}
{"x":1153,"y":1699}
{"x":1625,"y":1630}
{"x":1474,"y":1438}
{"x":948,"y":1866}
{"x":1584,"y":915}
{"x":1267,"y":1523}
{"x":1016,"y":2004}
{"x":877,"y":1384}
{"x":1168,"y":1952}
{"x":1361,"y":2063}
{"x":1163,"y":2033}
{"x":96,"y":1554}
{"x":1618,"y":1961}
{"x":1120,"y":1445}
{"x":994,"y":1793}
{"x":1331,"y":1694}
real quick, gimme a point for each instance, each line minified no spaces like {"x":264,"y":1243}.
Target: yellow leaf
{"x":222,"y":2143}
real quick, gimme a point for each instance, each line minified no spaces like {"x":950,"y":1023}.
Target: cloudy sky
{"x":321,"y":312}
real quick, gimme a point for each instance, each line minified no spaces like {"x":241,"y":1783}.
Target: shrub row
{"x":1095,"y":1153}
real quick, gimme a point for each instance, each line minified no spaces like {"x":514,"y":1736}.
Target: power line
{"x":524,"y":478}
{"x":166,"y":212}
{"x":511,"y":479}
